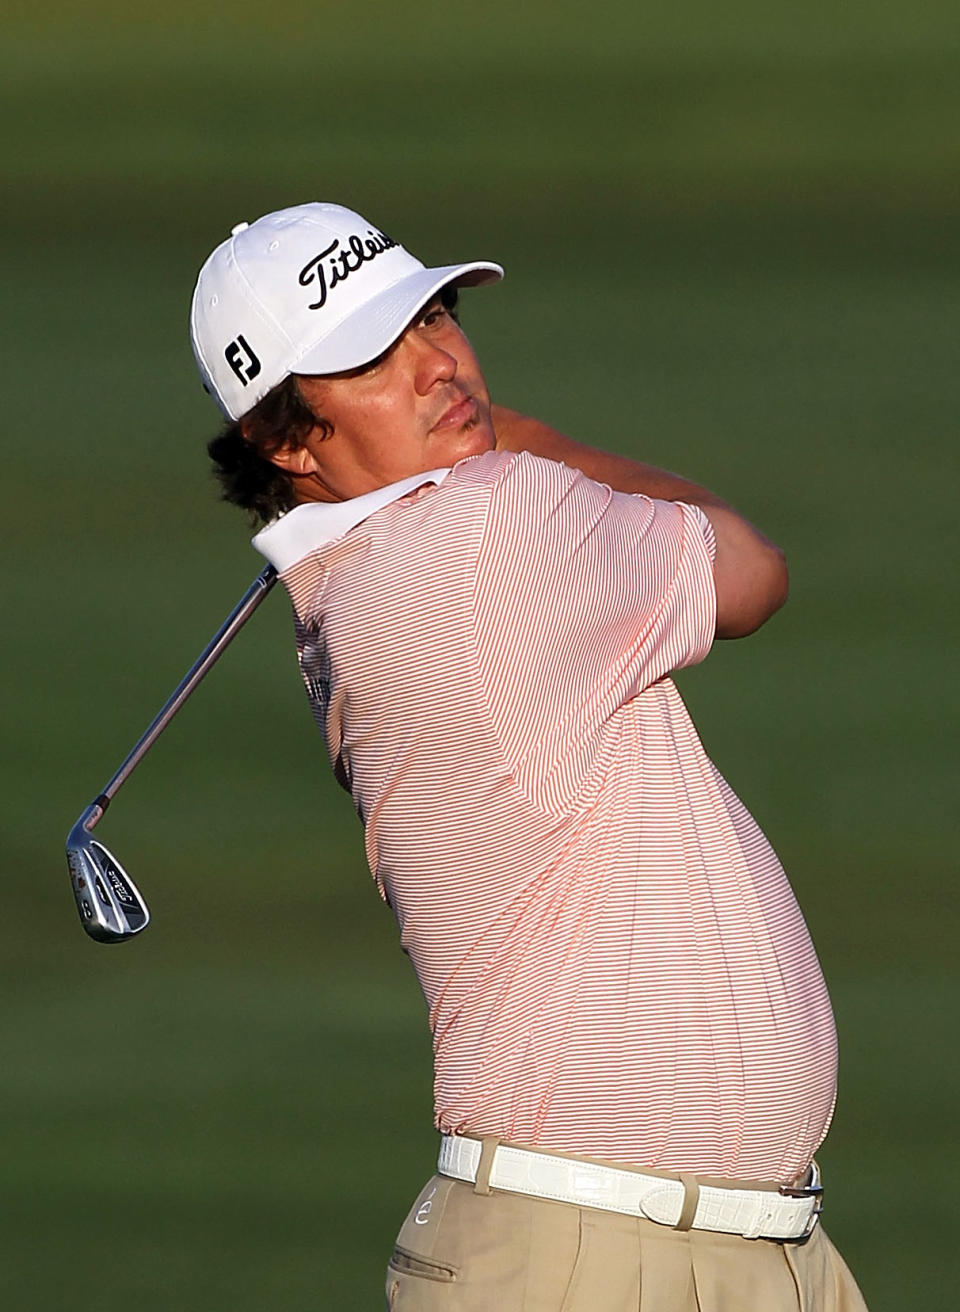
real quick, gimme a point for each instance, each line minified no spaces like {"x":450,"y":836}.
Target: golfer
{"x":635,"y":1053}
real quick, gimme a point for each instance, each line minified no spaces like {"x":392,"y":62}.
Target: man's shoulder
{"x":482,"y":470}
{"x":510,"y":467}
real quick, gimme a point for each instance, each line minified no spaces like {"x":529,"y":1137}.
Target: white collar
{"x":313,"y":524}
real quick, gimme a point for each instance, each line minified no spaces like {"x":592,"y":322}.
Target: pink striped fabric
{"x":612,"y":957}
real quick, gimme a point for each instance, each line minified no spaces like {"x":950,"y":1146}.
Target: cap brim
{"x":377,"y":324}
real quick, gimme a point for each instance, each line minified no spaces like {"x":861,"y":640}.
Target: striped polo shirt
{"x":612,"y":958}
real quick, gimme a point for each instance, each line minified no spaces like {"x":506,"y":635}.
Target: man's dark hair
{"x":241,"y":450}
{"x":241,"y":454}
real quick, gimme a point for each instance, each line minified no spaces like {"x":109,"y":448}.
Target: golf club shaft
{"x":232,"y":625}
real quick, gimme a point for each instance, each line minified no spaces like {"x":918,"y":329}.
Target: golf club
{"x":110,"y":907}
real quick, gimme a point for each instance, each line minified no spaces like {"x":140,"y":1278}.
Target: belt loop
{"x":691,"y":1197}
{"x":488,"y":1151}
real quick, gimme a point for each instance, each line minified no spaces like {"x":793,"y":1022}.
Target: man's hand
{"x":750,"y":572}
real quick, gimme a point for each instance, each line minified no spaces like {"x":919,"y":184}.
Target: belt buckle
{"x":812,"y":1189}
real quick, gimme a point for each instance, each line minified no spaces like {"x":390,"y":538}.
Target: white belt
{"x":787,"y":1214}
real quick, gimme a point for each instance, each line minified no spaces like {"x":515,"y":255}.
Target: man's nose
{"x":433,"y":365}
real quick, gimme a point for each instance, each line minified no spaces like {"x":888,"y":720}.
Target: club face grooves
{"x":110,"y":907}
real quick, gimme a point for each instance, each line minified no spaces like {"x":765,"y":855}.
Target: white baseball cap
{"x":314,"y":289}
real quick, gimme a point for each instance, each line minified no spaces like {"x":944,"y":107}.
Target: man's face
{"x":421,"y":405}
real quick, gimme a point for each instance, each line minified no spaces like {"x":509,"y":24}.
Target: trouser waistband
{"x":683,"y":1202}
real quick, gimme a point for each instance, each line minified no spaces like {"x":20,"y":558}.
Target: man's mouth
{"x":460,"y":413}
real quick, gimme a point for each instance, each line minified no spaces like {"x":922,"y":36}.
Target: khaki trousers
{"x":461,"y":1250}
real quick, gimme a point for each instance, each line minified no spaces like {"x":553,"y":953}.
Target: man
{"x":634,"y":1048}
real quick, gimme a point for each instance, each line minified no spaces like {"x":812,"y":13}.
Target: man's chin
{"x":473,"y":438}
{"x":478,"y":442}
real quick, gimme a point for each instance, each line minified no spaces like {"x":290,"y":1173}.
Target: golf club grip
{"x":231,"y":626}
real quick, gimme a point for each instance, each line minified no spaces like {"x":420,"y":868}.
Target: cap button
{"x":238,"y":227}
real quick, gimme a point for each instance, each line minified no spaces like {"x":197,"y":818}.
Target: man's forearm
{"x":750,"y":572}
{"x":516,"y":432}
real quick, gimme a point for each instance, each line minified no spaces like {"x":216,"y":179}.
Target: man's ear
{"x":292,"y":458}
{"x":296,"y":460}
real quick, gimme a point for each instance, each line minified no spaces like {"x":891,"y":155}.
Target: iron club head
{"x":110,"y":907}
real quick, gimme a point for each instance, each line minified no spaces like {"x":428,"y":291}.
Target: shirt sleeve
{"x":584,"y":599}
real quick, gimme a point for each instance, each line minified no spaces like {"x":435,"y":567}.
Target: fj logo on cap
{"x":347,"y":260}
{"x":244,"y":368}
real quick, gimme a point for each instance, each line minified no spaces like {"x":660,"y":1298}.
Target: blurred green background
{"x":731,"y":243}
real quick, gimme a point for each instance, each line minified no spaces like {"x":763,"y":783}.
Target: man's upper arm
{"x":750,"y":571}
{"x":584,"y":597}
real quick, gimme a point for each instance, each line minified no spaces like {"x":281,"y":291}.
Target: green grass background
{"x":731,"y":243}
